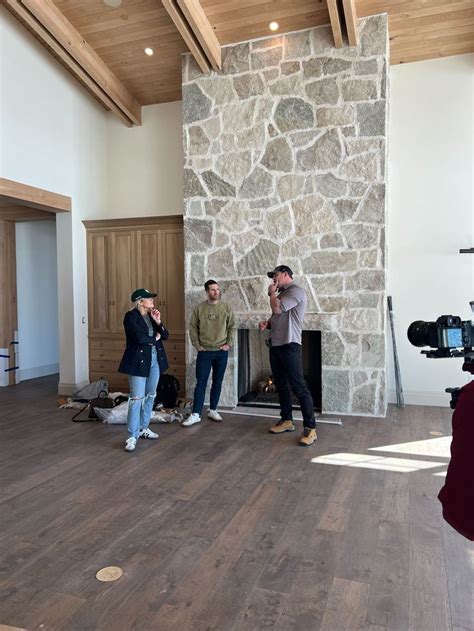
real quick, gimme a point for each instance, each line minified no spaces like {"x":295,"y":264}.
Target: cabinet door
{"x":100,"y":247}
{"x":172,"y":278}
{"x":149,"y":261}
{"x":124,"y":275}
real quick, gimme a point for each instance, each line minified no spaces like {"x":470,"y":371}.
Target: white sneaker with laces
{"x":147,"y":433}
{"x":192,"y":420}
{"x":214,"y":416}
{"x":130,"y":443}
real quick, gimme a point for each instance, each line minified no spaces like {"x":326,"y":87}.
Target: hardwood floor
{"x":222,"y":526}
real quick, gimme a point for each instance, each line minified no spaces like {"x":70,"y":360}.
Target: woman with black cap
{"x":143,"y":361}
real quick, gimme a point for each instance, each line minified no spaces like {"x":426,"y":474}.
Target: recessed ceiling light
{"x":274,"y":26}
{"x":149,"y":51}
{"x":113,"y":3}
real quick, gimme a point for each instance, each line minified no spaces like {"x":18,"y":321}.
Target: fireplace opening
{"x":255,"y":386}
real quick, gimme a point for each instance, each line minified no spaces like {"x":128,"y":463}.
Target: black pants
{"x":287,"y":369}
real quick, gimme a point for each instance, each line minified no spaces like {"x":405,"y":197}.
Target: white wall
{"x":62,"y":140}
{"x":53,"y":135}
{"x":431,"y":212}
{"x":37,"y":299}
{"x":145,"y":164}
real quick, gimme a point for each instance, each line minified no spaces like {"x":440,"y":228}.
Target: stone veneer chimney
{"x":285,"y":163}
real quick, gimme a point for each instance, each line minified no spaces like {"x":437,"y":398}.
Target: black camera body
{"x":449,"y":336}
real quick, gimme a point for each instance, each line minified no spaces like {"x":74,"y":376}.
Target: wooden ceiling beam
{"x":202,"y":29}
{"x":51,"y":18}
{"x":41,"y":34}
{"x":335,"y":20}
{"x":57,"y":34}
{"x":186,"y":33}
{"x":350,"y":17}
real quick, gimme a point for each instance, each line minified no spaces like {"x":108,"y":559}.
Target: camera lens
{"x":421,"y":333}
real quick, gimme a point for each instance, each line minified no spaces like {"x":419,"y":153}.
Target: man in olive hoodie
{"x":211,"y":331}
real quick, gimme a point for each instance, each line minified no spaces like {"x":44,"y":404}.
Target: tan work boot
{"x":282,"y":426}
{"x":308,"y":437}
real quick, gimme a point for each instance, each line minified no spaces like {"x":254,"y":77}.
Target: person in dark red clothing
{"x":457,"y":494}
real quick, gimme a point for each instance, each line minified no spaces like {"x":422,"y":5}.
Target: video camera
{"x":449,"y":336}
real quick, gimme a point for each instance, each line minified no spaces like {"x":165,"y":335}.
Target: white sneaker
{"x":147,"y":433}
{"x":194,"y":418}
{"x":214,"y":416}
{"x":130,"y":443}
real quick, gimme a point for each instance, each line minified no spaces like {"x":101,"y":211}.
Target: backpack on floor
{"x":167,"y":392}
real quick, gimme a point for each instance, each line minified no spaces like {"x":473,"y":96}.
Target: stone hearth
{"x":285,"y":163}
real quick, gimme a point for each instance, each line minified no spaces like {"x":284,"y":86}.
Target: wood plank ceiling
{"x":419,"y":29}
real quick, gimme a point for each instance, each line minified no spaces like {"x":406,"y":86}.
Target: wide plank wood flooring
{"x":222,"y":527}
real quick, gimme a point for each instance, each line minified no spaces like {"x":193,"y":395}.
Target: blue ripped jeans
{"x":142,"y":397}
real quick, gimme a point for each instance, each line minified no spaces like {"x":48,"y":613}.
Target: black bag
{"x":167,"y":392}
{"x":102,"y":401}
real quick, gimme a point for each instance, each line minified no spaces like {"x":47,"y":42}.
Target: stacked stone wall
{"x":285,"y":163}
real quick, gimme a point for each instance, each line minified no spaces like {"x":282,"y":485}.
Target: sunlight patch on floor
{"x":437,"y":447}
{"x":401,"y":465}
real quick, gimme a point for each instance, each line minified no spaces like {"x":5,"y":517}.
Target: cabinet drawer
{"x":105,"y":354}
{"x":116,"y":380}
{"x":175,"y":370}
{"x":103,"y":366}
{"x":175,"y":357}
{"x":97,"y":344}
{"x":174,"y":345}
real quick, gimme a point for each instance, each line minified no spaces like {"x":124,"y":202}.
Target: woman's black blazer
{"x":136,"y":359}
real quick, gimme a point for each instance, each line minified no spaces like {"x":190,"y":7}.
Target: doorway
{"x":28,"y":281}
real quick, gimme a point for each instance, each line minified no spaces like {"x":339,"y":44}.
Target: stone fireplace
{"x":285,"y":163}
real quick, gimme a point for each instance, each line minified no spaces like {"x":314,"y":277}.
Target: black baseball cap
{"x":280,"y":268}
{"x":139,"y":294}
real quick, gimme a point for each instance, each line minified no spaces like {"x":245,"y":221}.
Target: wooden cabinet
{"x":112,"y":270}
{"x":123,"y":255}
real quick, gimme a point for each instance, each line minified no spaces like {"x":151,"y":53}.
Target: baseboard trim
{"x":415,"y":397}
{"x":39,"y":371}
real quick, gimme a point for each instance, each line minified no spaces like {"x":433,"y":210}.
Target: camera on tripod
{"x":449,"y":336}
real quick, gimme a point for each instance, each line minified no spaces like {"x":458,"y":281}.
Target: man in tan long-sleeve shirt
{"x":211,"y":330}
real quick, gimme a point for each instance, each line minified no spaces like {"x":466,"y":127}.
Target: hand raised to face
{"x":156,"y":315}
{"x":272,"y":287}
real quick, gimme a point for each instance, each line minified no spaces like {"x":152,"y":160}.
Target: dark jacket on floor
{"x":136,"y":359}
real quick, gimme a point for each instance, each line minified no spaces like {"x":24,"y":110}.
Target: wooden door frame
{"x":20,"y":202}
{"x":16,"y":196}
